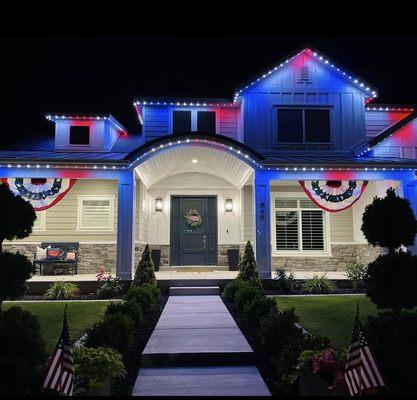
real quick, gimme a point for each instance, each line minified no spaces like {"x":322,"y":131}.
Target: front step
{"x":194,"y":290}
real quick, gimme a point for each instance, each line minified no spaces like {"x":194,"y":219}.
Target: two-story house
{"x":289,"y":163}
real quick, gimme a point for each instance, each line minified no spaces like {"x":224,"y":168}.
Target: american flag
{"x":60,"y":374}
{"x":361,"y":371}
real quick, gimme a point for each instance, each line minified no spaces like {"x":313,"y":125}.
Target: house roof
{"x":366,"y":148}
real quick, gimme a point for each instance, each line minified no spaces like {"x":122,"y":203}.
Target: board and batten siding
{"x":61,"y":219}
{"x":157,"y":120}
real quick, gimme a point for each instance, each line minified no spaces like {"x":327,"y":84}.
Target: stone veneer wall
{"x":90,"y":256}
{"x":342,"y":256}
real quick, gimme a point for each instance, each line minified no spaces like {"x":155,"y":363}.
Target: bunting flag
{"x":334,"y":196}
{"x":42,"y":193}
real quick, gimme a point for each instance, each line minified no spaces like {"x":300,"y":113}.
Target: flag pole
{"x":61,"y":392}
{"x":360,"y":371}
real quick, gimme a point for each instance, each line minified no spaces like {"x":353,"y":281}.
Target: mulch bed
{"x":266,"y":370}
{"x":132,"y":361}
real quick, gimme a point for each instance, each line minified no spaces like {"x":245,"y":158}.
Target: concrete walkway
{"x":197,"y":349}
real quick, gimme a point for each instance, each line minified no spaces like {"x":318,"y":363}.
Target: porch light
{"x":229,"y":205}
{"x":158,"y":204}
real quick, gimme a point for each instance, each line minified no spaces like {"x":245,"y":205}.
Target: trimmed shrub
{"x":109,"y":288}
{"x":319,"y":284}
{"x":145,"y":271}
{"x":286,"y":283}
{"x":15,"y":269}
{"x":93,"y":366}
{"x":115,"y":331}
{"x":392,"y":281}
{"x":61,"y":290}
{"x":132,"y":309}
{"x":144,"y":295}
{"x":22,"y":353}
{"x":231,"y":288}
{"x":356,"y":272}
{"x":392,"y":341}
{"x":284,"y":341}
{"x":248,"y":268}
{"x":246,"y":293}
{"x":153,"y":289}
{"x":259,"y":308}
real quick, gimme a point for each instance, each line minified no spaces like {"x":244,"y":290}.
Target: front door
{"x":193,"y":230}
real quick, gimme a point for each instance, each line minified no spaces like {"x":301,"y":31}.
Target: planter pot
{"x":156,"y":258}
{"x":103,"y":390}
{"x":233,"y":259}
{"x":313,"y":385}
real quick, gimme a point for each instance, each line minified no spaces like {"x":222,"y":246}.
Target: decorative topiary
{"x":248,"y":268}
{"x":392,"y":281}
{"x":145,"y":271}
{"x":389,"y":222}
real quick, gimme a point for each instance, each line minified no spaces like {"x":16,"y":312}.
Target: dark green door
{"x":193,"y":230}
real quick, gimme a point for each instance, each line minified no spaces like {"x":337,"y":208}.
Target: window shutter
{"x":312,"y":229}
{"x":96,"y":214}
{"x":286,"y":230}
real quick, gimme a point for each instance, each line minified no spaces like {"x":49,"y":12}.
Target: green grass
{"x":81,"y":315}
{"x":330,"y":316}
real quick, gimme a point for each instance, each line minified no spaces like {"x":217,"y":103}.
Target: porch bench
{"x":64,"y":247}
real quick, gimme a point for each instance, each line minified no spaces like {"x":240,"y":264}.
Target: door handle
{"x":204,"y":241}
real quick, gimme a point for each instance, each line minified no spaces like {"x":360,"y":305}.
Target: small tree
{"x":145,"y":272}
{"x":248,"y":268}
{"x":390,"y":222}
{"x":16,"y":220}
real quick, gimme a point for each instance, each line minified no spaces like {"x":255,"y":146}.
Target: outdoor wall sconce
{"x":229,"y":205}
{"x":158,"y":204}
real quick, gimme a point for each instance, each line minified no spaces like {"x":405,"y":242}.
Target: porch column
{"x":262,"y":223}
{"x":125,"y":225}
{"x":409,"y":190}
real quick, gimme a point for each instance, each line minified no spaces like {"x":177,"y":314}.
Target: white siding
{"x":247,"y":213}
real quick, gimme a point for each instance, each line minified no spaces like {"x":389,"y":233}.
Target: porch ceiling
{"x":180,"y":160}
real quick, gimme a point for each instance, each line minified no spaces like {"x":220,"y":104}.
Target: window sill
{"x":302,"y":254}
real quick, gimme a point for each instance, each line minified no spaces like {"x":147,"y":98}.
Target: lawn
{"x":330,"y":316}
{"x":81,"y":315}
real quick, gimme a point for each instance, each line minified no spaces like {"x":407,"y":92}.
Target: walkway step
{"x":200,"y":381}
{"x":193,"y":290}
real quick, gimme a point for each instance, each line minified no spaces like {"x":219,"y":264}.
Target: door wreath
{"x":193,"y":218}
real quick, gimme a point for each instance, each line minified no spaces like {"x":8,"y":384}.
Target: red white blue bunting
{"x":334,"y":196}
{"x":42,"y":193}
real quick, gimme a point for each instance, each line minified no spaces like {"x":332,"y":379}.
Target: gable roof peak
{"x":318,"y":57}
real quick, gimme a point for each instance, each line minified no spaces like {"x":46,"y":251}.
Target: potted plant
{"x":95,"y":368}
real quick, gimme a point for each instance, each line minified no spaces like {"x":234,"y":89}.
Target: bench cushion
{"x":40,"y":253}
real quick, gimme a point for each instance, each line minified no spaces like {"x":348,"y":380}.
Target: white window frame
{"x":194,"y":113}
{"x":80,"y":199}
{"x":41,"y":218}
{"x":326,"y":252}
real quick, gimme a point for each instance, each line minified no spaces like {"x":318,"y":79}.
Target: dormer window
{"x":181,"y":121}
{"x":303,"y":125}
{"x":79,"y":135}
{"x":193,"y":121}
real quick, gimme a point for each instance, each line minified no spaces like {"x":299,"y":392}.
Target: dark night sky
{"x":104,"y":75}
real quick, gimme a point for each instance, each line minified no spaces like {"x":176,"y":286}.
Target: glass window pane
{"x":181,"y":121}
{"x":317,"y":126}
{"x":290,"y":126}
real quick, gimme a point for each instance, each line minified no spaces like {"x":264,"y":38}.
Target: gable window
{"x":95,"y":213}
{"x":193,"y":121}
{"x":303,"y":125}
{"x":181,"y":121}
{"x":300,"y":226}
{"x":79,"y":135}
{"x":206,"y":121}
